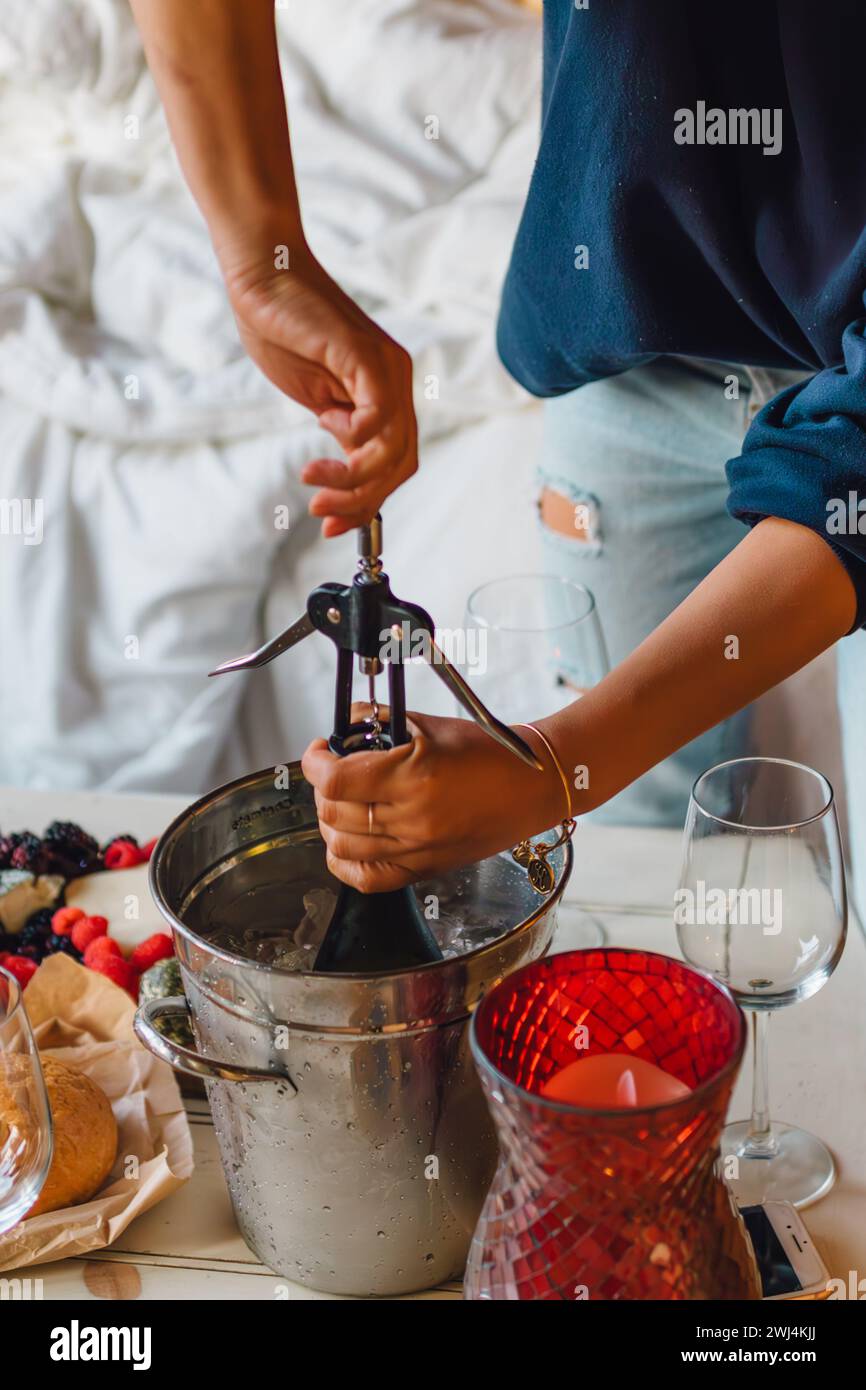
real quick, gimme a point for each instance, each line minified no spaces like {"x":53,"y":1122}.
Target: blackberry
{"x":8,"y":844}
{"x":29,"y":854}
{"x":35,"y":951}
{"x":37,"y":928}
{"x":65,"y":834}
{"x":71,"y":851}
{"x":61,"y":945}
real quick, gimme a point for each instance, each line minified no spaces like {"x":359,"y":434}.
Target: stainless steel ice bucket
{"x":356,"y":1143}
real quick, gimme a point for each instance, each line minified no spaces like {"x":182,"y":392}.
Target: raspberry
{"x":64,"y":919}
{"x":147,"y":953}
{"x":88,"y":929}
{"x":119,"y":971}
{"x":147,"y":850}
{"x":119,"y":840}
{"x":122,"y":853}
{"x":22,"y":968}
{"x":99,"y":948}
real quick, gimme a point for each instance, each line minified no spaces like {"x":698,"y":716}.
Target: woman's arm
{"x":782,"y":594}
{"x":216,"y":66}
{"x":217,"y":71}
{"x":454,"y":796}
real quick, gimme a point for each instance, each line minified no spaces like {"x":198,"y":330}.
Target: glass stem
{"x":760,"y":1141}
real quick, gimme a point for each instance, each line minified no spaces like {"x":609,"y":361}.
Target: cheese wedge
{"x":21,"y":894}
{"x":123,"y":896}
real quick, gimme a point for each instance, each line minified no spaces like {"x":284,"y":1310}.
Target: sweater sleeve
{"x":804,"y":459}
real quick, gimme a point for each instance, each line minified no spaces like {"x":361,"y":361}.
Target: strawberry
{"x":99,"y":948}
{"x":147,"y":953}
{"x":119,"y":971}
{"x":64,"y":920}
{"x":88,"y":929}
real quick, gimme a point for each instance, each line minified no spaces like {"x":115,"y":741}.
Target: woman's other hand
{"x":314,"y":343}
{"x":217,"y":67}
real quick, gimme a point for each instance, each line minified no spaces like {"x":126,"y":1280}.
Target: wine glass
{"x":26,"y":1136}
{"x":534,"y":643}
{"x":762,"y":906}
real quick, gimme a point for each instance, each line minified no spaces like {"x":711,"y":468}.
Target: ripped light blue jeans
{"x":642,"y":457}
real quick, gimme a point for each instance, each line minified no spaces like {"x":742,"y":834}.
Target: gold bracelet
{"x":556,"y":763}
{"x":533,"y":857}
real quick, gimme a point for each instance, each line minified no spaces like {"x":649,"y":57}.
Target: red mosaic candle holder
{"x":619,"y":1203}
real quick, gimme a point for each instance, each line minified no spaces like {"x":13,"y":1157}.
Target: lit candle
{"x":613,"y":1081}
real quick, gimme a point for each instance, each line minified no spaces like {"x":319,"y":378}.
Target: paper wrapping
{"x":85,"y":1020}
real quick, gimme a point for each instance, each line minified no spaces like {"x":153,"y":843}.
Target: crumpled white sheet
{"x":126,"y":404}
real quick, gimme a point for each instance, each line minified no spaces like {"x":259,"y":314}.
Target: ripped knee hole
{"x":574,"y":518}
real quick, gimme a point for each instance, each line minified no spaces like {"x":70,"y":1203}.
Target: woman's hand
{"x":451,"y":796}
{"x":217,"y":67}
{"x":314,"y":343}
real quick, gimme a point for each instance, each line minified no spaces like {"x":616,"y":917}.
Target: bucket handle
{"x":186,"y":1059}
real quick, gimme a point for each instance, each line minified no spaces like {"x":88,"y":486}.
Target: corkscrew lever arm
{"x":463,"y":693}
{"x":275,"y":647}
{"x":466,"y":696}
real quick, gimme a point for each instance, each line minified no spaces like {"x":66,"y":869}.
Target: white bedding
{"x":159,"y":453}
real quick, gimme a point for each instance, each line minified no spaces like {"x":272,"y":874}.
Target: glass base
{"x":799,"y":1171}
{"x":577,"y":929}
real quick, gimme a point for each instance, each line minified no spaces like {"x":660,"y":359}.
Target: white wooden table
{"x":189,"y":1247}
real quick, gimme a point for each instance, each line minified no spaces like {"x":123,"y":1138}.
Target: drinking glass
{"x":26,"y":1138}
{"x":762,"y":906}
{"x":534,"y":643}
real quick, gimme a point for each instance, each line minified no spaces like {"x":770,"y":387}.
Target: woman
{"x":696,"y":203}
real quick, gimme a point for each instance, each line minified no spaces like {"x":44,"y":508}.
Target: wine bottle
{"x":374,"y":933}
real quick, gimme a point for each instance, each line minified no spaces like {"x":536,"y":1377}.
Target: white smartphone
{"x":789,"y":1263}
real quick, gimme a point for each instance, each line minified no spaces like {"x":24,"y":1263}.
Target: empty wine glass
{"x":26,"y":1138}
{"x":762,"y":906}
{"x":534,"y":643}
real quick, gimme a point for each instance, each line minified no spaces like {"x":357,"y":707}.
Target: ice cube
{"x":319,"y":906}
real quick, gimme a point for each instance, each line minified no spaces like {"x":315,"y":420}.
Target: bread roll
{"x":85,"y":1133}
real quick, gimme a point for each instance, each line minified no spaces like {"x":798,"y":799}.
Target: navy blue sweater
{"x":700,"y":190}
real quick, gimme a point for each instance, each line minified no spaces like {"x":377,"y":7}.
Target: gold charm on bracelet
{"x":533,"y":858}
